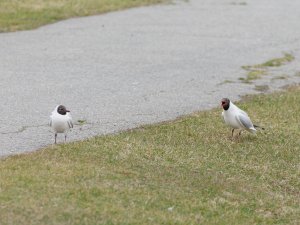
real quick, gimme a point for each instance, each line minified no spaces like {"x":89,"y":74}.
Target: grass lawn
{"x":28,"y":14}
{"x":186,"y":171}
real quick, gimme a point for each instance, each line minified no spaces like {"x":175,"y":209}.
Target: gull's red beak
{"x":67,"y":110}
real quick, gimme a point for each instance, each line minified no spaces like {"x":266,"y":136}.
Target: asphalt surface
{"x":139,"y":66}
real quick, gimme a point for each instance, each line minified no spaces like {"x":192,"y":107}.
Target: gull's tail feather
{"x":252,"y":130}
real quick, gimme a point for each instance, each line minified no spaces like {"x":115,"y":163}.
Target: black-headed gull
{"x":236,"y":118}
{"x":61,"y":121}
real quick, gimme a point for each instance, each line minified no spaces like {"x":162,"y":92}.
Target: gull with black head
{"x":236,"y":118}
{"x":60,"y":121}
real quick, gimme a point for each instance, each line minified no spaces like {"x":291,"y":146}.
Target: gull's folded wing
{"x":244,"y":121}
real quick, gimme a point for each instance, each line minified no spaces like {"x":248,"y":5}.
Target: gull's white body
{"x":237,"y":118}
{"x":60,"y":123}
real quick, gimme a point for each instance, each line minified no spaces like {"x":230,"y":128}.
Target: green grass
{"x":278,"y":61}
{"x":28,"y":14}
{"x":255,"y":72}
{"x":187,"y":171}
{"x":81,"y":122}
{"x":226,"y":82}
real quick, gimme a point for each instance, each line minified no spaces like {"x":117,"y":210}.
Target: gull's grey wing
{"x":244,"y":120}
{"x":243,"y":112}
{"x":69,"y":120}
{"x":70,"y":123}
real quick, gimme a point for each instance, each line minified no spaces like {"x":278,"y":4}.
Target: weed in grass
{"x":186,"y":171}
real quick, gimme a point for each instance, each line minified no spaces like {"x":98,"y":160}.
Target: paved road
{"x":139,"y":66}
